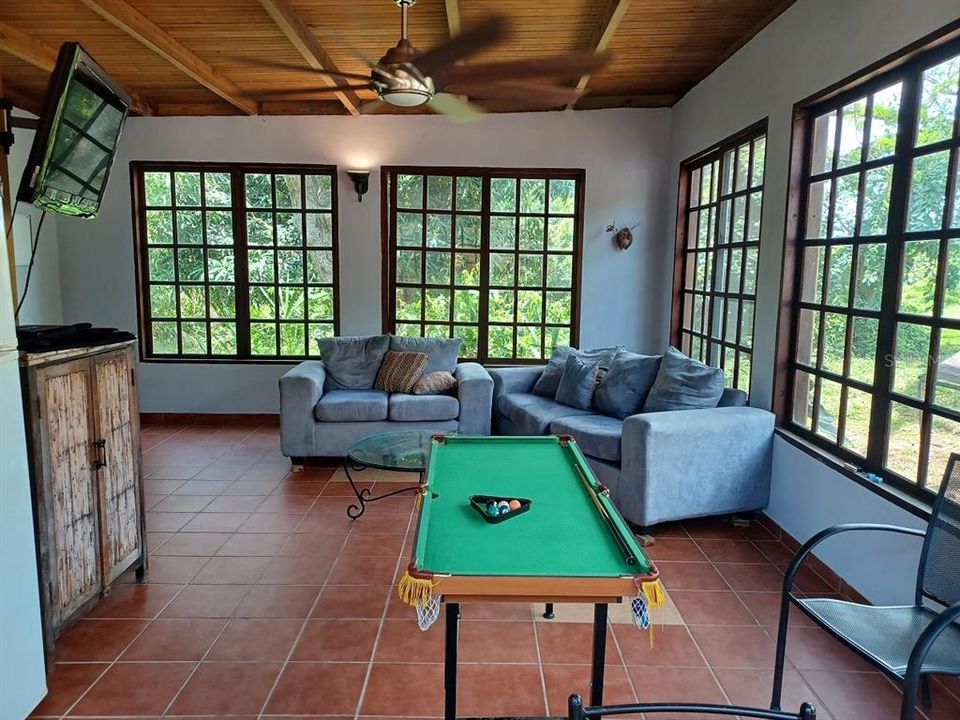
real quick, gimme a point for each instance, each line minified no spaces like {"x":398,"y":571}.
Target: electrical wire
{"x":33,"y":256}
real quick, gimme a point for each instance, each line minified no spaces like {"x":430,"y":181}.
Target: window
{"x":718,"y":242}
{"x":489,"y":256}
{"x":236,"y":262}
{"x":875,"y":341}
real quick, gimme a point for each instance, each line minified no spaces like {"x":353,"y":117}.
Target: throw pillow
{"x":577,"y":382}
{"x":549,"y":379}
{"x":684,"y":384}
{"x":623,"y":390}
{"x":442,"y":352}
{"x":400,"y":370}
{"x":435,"y":383}
{"x":352,"y":362}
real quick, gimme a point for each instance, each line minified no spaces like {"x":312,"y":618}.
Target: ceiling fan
{"x":406,"y":77}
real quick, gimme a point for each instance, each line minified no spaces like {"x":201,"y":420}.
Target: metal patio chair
{"x":576,"y":710}
{"x":907,"y":643}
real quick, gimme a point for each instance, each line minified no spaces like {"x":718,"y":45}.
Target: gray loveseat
{"x":659,"y":466}
{"x":320,"y":419}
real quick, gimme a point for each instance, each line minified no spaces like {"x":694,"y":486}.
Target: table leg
{"x":548,"y":611}
{"x":599,"y":653}
{"x":363,"y":496}
{"x":450,"y":662}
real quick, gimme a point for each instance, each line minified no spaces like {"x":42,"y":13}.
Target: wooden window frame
{"x":389,"y":248}
{"x":905,"y":65}
{"x":683,"y":252}
{"x":241,"y":283}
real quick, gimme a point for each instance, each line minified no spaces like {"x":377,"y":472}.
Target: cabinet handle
{"x":101,"y":461}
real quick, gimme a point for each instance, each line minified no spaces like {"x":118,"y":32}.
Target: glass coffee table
{"x":401,"y":451}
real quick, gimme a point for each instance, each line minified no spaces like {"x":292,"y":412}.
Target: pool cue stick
{"x":628,"y":555}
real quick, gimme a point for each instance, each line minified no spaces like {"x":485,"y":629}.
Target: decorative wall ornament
{"x":624,"y":237}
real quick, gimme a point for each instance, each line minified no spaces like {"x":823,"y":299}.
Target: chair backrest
{"x":939,"y":577}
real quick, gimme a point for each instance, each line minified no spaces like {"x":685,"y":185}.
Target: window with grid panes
{"x":876,"y":360}
{"x":718,"y":255}
{"x":489,"y":256}
{"x":236,"y":261}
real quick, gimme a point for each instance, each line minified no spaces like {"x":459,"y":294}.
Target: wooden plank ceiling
{"x":183,"y":57}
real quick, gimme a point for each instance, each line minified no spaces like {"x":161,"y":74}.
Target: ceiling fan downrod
{"x":403,"y":5}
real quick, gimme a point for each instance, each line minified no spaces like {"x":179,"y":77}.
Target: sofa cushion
{"x":532,"y":414}
{"x":351,"y":406}
{"x":436,"y":383}
{"x":597,"y":435}
{"x":549,"y":379}
{"x":442,"y":352}
{"x":418,"y":408}
{"x":624,"y":388}
{"x":352,"y":362}
{"x":400,"y":370}
{"x":684,"y":384}
{"x":578,"y":382}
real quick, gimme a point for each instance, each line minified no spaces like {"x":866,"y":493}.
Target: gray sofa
{"x":318,"y":419}
{"x":659,"y":466}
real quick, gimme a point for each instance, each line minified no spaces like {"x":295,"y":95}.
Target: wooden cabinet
{"x":84,"y":430}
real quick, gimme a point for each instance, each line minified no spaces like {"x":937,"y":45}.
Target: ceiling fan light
{"x":406,"y":98}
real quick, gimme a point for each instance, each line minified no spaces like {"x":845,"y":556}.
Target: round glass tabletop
{"x":403,"y":450}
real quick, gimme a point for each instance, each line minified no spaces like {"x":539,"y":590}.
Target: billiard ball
{"x":504,"y":510}
{"x":503,"y":506}
{"x":514,"y":505}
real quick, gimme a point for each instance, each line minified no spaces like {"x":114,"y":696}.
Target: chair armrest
{"x":810,"y":544}
{"x":926,"y":640}
{"x":689,"y":463}
{"x":301,"y":388}
{"x":475,"y":393}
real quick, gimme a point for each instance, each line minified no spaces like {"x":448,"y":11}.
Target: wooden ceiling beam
{"x":453,"y":16}
{"x":44,"y":57}
{"x":291,"y":24}
{"x":138,"y":26}
{"x":609,"y":22}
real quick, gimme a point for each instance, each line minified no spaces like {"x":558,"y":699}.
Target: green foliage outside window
{"x":196,"y":251}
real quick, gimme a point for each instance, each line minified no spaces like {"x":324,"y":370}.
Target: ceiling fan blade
{"x":309,"y":93}
{"x":570,"y":65}
{"x":454,"y":108}
{"x":298,"y":67}
{"x":528,"y":93}
{"x":469,"y":42}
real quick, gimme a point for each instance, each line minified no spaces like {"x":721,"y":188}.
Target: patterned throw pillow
{"x":400,"y":370}
{"x":436,"y":383}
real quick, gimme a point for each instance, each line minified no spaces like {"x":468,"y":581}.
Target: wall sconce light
{"x":361,"y":182}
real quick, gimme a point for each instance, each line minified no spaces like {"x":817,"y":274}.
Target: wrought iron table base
{"x":363,"y":494}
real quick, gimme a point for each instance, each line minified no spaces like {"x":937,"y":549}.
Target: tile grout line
{"x":303,"y":626}
{"x":383,"y":615}
{"x":788,"y":663}
{"x":116,"y":660}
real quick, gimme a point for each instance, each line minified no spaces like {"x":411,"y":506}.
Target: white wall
{"x":42,"y":304}
{"x":624,"y":153}
{"x":812,"y":45}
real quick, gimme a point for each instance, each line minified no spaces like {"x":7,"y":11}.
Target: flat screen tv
{"x":77,"y":137}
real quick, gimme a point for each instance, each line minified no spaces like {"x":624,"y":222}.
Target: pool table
{"x":571,"y":545}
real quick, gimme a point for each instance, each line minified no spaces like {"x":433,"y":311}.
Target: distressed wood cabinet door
{"x":116,"y":432}
{"x":70,"y":508}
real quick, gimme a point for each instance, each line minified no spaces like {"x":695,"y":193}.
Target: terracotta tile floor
{"x":264,"y":600}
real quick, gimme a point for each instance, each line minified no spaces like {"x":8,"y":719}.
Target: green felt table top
{"x":563,"y":534}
